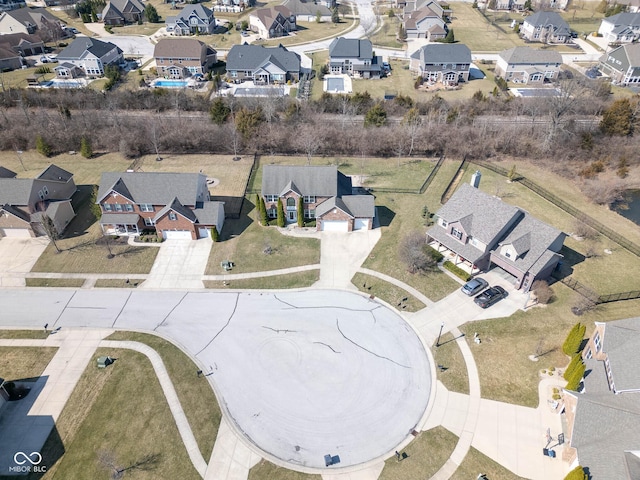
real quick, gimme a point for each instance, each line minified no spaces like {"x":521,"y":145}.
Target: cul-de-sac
{"x":319,"y":239}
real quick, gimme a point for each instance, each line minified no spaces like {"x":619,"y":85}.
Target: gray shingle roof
{"x":15,"y":191}
{"x":54,"y":173}
{"x":177,"y":207}
{"x":6,"y":173}
{"x":621,"y":342}
{"x":486,"y":216}
{"x":251,"y":57}
{"x":443,"y":53}
{"x":319,"y":181}
{"x":467,"y":250}
{"x":625,"y":19}
{"x":305,"y":7}
{"x":199,"y":10}
{"x":209,"y":214}
{"x":178,"y":47}
{"x":351,"y":48}
{"x":157,"y":188}
{"x":22,"y":215}
{"x":529,"y":56}
{"x":360,"y":206}
{"x":545,"y":19}
{"x":32,"y":16}
{"x":82,"y":44}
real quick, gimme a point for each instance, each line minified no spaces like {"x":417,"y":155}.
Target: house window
{"x":128,"y":207}
{"x":589,"y":354}
{"x":456,"y":233}
{"x":118,"y":207}
{"x":507,"y":254}
{"x":149,"y":222}
{"x":146,"y":207}
{"x":443,"y":223}
{"x":106,"y":207}
{"x":309,"y":199}
{"x":311,"y":213}
{"x":291,"y":202}
{"x":45,"y":190}
{"x":173,"y":216}
{"x":597,"y":342}
{"x":270,"y":198}
{"x":272,"y":213}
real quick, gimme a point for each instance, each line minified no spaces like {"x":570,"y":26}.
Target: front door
{"x":292,"y":215}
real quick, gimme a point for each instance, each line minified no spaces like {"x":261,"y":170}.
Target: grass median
{"x":275,"y":282}
{"x":393,"y":295}
{"x":22,"y":363}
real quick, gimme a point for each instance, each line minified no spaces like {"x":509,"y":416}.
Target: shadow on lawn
{"x":235,"y":226}
{"x":565,"y":267}
{"x":385,"y":216}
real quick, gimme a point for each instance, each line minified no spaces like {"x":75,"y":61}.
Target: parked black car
{"x":490,"y":296}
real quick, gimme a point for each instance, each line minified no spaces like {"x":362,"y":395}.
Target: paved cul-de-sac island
{"x":302,"y":374}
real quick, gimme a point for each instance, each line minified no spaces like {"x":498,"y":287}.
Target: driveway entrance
{"x":179,"y":264}
{"x":18,"y":255}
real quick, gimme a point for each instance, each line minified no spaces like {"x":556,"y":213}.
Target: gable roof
{"x":306,"y":7}
{"x":157,"y":188}
{"x":412,"y":20}
{"x":351,"y":48}
{"x":443,"y":53}
{"x":80,"y":45}
{"x":482,"y":215}
{"x":120,"y":6}
{"x":528,"y":56}
{"x":251,"y":57}
{"x":6,"y":173}
{"x":16,"y":212}
{"x":624,"y":19}
{"x":15,"y":191}
{"x":54,"y":173}
{"x":621,"y":343}
{"x":210,"y":214}
{"x":198,"y":10}
{"x":177,"y":207}
{"x":32,"y":16}
{"x":178,"y":47}
{"x":554,"y":19}
{"x":319,"y":181}
{"x":628,"y":56}
{"x":16,"y":40}
{"x":269,"y":15}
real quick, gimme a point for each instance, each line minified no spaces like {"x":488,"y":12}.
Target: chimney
{"x":475,"y":179}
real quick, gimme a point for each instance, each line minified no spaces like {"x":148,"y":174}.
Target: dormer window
{"x":173,"y":216}
{"x":456,"y":233}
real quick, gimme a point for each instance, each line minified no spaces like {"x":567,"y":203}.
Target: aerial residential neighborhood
{"x":300,"y":239}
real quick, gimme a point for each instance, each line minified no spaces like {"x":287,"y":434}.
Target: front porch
{"x":455,"y":258}
{"x":120,"y":224}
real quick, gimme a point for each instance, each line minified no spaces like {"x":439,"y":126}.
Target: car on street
{"x":474,"y":286}
{"x":490,"y":296}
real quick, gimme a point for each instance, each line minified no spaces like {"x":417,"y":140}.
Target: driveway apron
{"x":180,"y":264}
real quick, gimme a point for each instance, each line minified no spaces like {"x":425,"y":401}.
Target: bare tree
{"x":570,"y":94}
{"x":412,"y":253}
{"x":309,"y":140}
{"x":412,"y":122}
{"x":107,"y":459}
{"x":50,"y":229}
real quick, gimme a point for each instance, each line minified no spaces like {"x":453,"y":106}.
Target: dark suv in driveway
{"x":490,"y":296}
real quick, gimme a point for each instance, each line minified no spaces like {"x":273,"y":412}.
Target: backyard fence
{"x":454,"y":181}
{"x":415,"y":191}
{"x":570,"y":209}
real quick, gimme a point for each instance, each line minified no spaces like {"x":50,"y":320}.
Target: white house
{"x":87,"y":56}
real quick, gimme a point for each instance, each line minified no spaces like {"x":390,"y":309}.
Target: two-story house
{"x":23,"y":201}
{"x":272,"y":22}
{"x":602,"y":419}
{"x":621,"y":28}
{"x":526,"y":65}
{"x":425,"y":23}
{"x":87,"y":56}
{"x":325,"y":192}
{"x":479,"y":232}
{"x":442,"y":62}
{"x":184,"y":57}
{"x":175,"y":205}
{"x":354,"y":57}
{"x":30,"y":20}
{"x":262,"y":65}
{"x":192,"y":19}
{"x":121,"y":12}
{"x":545,"y":27}
{"x":622,"y":64}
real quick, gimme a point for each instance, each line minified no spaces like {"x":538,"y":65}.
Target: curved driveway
{"x":300,"y":379}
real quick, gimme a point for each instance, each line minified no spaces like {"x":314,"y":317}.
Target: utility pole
{"x":439,"y":334}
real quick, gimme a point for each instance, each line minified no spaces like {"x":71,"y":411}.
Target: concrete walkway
{"x":26,"y":424}
{"x":231,"y":458}
{"x":170,"y":394}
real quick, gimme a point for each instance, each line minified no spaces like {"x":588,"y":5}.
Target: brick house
{"x":175,"y":205}
{"x":23,"y":201}
{"x":272,"y":22}
{"x":602,"y":418}
{"x":326,"y":193}
{"x":121,"y":12}
{"x":479,"y":232}
{"x":181,"y":58}
{"x":192,"y":20}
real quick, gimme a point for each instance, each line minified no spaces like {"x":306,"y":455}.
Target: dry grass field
{"x":19,"y":363}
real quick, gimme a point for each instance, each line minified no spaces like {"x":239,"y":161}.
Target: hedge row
{"x":573,"y":343}
{"x":457,"y":271}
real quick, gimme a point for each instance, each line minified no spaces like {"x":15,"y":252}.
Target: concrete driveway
{"x":179,"y":264}
{"x":17,"y":256}
{"x":341,"y":254}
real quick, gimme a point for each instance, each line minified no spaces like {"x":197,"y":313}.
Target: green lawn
{"x":103,"y":421}
{"x":195,"y":393}
{"x":23,"y":333}
{"x":425,"y":455}
{"x":20,"y":363}
{"x":268,"y":471}
{"x":477,"y":33}
{"x":245,"y":242}
{"x":18,"y":78}
{"x":277,"y":282}
{"x":506,"y":372}
{"x":54,"y":282}
{"x":388,"y":292}
{"x":135,"y":29}
{"x":455,"y":376}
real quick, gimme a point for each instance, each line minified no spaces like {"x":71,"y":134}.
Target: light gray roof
{"x":32,"y":16}
{"x":120,"y":6}
{"x":119,"y":218}
{"x":6,"y":173}
{"x":319,"y":181}
{"x":199,"y":10}
{"x":531,"y":238}
{"x":54,"y":173}
{"x":484,"y":216}
{"x":529,"y":56}
{"x":157,"y":188}
{"x":628,"y":55}
{"x":443,"y":53}
{"x":351,"y":48}
{"x":209,"y":214}
{"x":621,"y":343}
{"x":626,"y":19}
{"x":251,"y":57}
{"x":178,"y":47}
{"x":177,"y":207}
{"x":467,"y":250}
{"x":305,"y":7}
{"x":15,"y":191}
{"x":554,"y":19}
{"x":82,"y":44}
{"x":356,"y":206}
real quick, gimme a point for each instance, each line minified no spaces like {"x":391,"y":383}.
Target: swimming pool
{"x":55,"y":83}
{"x":170,"y":83}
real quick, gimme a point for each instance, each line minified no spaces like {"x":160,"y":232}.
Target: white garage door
{"x":176,"y":234}
{"x":361,"y":224}
{"x":204,"y":232}
{"x":335,"y":226}
{"x":15,"y":232}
